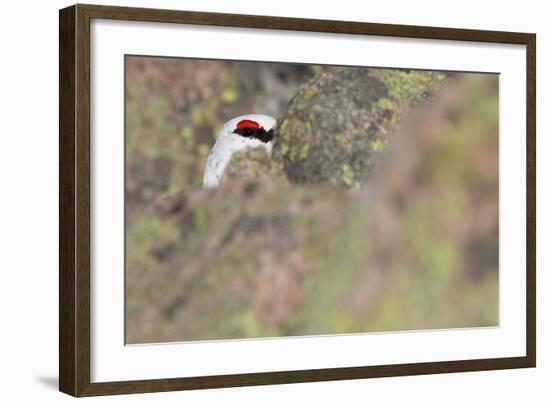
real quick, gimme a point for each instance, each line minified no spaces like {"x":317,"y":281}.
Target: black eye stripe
{"x":258,"y":133}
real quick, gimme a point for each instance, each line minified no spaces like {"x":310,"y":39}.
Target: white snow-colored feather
{"x":228,"y":143}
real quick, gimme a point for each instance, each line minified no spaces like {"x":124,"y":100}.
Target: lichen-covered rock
{"x":249,"y":164}
{"x":338,"y":122}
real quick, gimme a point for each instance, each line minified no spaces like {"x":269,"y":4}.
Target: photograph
{"x":273,"y":199}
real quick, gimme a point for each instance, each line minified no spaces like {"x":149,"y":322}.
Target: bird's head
{"x":238,"y":134}
{"x":252,"y":128}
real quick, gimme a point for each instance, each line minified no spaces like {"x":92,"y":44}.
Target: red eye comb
{"x":248,"y":124}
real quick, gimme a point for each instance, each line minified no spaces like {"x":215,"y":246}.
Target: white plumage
{"x":229,"y":142}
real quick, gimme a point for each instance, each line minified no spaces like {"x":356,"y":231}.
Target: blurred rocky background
{"x":378,"y":210}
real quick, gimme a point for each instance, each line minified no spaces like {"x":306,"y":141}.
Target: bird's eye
{"x":247,"y":124}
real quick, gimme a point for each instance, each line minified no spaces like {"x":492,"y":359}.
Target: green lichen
{"x":342,"y":139}
{"x":187,"y":135}
{"x":310,"y":92}
{"x":304,"y":151}
{"x":347,"y":175}
{"x":229,"y":95}
{"x":385,"y":103}
{"x":377,"y":145}
{"x":408,"y":85}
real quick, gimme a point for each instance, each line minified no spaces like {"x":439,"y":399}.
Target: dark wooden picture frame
{"x":74,"y":202}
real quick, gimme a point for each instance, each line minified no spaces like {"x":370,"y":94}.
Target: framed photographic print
{"x":250,"y":200}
